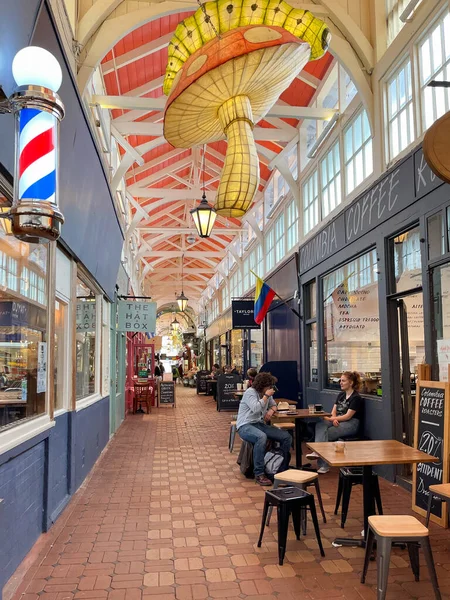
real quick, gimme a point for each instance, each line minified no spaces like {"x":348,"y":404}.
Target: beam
{"x":127,"y":146}
{"x":170,"y":194}
{"x":150,"y":104}
{"x":156,"y":161}
{"x":93,"y":18}
{"x":187,"y":254}
{"x":148,"y":87}
{"x":186,"y":230}
{"x":136,"y":54}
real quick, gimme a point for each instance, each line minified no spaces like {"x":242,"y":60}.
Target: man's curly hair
{"x":263,"y":381}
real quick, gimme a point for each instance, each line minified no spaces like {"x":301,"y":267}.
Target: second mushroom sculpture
{"x":228,"y":65}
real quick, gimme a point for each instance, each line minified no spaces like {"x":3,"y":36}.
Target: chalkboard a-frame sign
{"x":431,"y":436}
{"x":166,"y":393}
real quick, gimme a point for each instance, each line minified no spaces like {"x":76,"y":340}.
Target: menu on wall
{"x":226,"y":388}
{"x":41,"y":383}
{"x":431,"y":433}
{"x":166,"y":393}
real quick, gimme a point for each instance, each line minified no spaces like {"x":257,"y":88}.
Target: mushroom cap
{"x":256,"y":61}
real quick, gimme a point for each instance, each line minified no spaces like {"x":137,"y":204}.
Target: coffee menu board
{"x":202,"y":378}
{"x":226,"y":387}
{"x":431,"y":437}
{"x":166,"y":393}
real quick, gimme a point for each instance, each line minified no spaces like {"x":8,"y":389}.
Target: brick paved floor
{"x":166,"y":515}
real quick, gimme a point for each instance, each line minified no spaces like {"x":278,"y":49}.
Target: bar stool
{"x":442,"y":491}
{"x":232,"y":435}
{"x":387,"y":529}
{"x":301,"y":480}
{"x":289,"y":501}
{"x":287,"y":427}
{"x":348,"y":477}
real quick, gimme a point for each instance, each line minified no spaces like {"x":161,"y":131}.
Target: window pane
{"x":312,"y":341}
{"x":358,"y":163}
{"x":23,"y":330}
{"x":351,"y":322}
{"x":85,"y":340}
{"x":61,"y":331}
{"x":436,"y":246}
{"x":407,"y":260}
{"x":441,"y":319}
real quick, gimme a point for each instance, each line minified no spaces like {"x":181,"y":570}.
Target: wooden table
{"x":299,"y":416}
{"x":367,"y":455}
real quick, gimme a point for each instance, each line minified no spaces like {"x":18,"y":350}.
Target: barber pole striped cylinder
{"x":38,"y":141}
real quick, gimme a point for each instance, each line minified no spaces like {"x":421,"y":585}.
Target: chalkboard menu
{"x":226,"y":387}
{"x":431,"y":437}
{"x":202,"y":378}
{"x":166,"y":393}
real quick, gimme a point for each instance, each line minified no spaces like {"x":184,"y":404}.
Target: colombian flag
{"x":263,"y":299}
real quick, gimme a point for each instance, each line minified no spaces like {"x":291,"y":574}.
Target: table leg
{"x":369,"y":509}
{"x":298,"y":444}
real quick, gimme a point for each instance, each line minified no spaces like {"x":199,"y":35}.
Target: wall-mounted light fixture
{"x":408,"y":14}
{"x":38,"y":111}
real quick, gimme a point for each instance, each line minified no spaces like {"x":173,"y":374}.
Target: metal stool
{"x":289,"y":501}
{"x":386,"y":530}
{"x":232,"y":435}
{"x":301,"y":480}
{"x":348,"y":477}
{"x":442,"y":491}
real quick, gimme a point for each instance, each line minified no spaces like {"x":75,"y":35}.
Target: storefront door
{"x":412,"y":353}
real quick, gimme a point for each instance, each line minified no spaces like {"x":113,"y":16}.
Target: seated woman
{"x":256,"y":409}
{"x":344,"y":420}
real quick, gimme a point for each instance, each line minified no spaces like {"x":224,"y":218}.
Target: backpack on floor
{"x":273,"y":461}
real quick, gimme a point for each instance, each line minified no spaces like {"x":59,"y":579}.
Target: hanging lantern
{"x":228,"y":65}
{"x":204,"y":216}
{"x":182,"y":302}
{"x":175,"y":324}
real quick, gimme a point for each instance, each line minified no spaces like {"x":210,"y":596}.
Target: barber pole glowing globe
{"x":38,"y":111}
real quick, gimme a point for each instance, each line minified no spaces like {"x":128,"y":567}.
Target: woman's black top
{"x":343,"y":404}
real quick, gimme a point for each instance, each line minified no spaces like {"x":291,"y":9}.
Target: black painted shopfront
{"x":375,"y":288}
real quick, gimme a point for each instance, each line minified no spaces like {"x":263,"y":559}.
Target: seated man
{"x":256,"y":409}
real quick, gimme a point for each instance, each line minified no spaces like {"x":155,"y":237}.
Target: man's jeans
{"x":327,"y":432}
{"x":258,"y":434}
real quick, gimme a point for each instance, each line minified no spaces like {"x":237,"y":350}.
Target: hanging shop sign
{"x":226,"y":389}
{"x":431,"y":437}
{"x":243,"y":314}
{"x":86,"y":315}
{"x":137,"y":315}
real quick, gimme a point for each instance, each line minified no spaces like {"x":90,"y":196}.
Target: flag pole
{"x":297,"y":314}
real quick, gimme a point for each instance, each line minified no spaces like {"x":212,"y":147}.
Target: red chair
{"x":142,"y":395}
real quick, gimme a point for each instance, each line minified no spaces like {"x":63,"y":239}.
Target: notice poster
{"x":42,"y":368}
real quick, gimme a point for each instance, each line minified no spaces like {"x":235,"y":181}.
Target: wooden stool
{"x":442,"y":491}
{"x":289,"y":501}
{"x":301,"y":480}
{"x":232,"y":435}
{"x":348,"y":477}
{"x":287,"y":427}
{"x":387,"y":529}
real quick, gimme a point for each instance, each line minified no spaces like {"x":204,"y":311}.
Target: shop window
{"x":434,"y":63}
{"x":310,"y":193}
{"x":407,"y":260}
{"x":357,"y":151}
{"x":61,"y":349}
{"x":292,"y":225}
{"x":279,"y":239}
{"x":256,"y":348}
{"x":237,"y":345}
{"x":330,"y":170}
{"x":106,"y":347}
{"x":23,"y":332}
{"x":270,"y":250}
{"x":436,"y":239}
{"x":441,"y":319}
{"x":310,"y":292}
{"x":400,"y":110}
{"x":86,"y":335}
{"x":351,"y":323}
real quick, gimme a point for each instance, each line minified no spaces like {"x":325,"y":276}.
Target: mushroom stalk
{"x":240,"y":175}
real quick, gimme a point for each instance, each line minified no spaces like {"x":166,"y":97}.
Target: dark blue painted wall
{"x":38,"y":478}
{"x":90,"y":434}
{"x":22,"y":512}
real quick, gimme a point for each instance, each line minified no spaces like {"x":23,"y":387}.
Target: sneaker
{"x":312,"y":456}
{"x":263,"y":480}
{"x":323,"y":470}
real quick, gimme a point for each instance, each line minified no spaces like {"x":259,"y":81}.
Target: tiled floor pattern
{"x":167,"y":515}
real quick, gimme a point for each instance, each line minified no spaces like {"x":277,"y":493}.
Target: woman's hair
{"x":263,"y":381}
{"x":355,"y":378}
{"x":216,"y":366}
{"x":252,"y":372}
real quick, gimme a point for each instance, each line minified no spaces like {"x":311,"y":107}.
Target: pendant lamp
{"x":182,"y":299}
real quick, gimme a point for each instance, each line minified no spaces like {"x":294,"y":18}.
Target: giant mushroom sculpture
{"x":228,"y":65}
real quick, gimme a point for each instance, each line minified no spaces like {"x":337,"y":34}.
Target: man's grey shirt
{"x":252,"y":408}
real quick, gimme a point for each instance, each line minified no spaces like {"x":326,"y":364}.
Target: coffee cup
{"x":340,"y":446}
{"x":239,"y":386}
{"x":318,"y":407}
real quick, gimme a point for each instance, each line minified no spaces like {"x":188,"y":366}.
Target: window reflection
{"x":86,"y":323}
{"x":407,"y":260}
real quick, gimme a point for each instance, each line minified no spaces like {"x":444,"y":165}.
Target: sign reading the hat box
{"x":166,"y":393}
{"x":86,"y":315}
{"x":226,"y":388}
{"x":136,"y":316}
{"x":243,"y":314}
